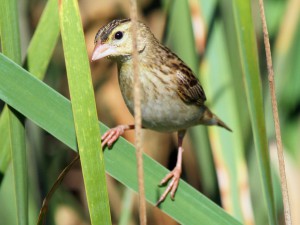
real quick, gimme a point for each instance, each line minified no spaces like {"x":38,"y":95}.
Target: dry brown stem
{"x":287,"y":213}
{"x":137,"y":115}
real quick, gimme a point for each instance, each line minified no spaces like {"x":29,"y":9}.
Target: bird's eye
{"x":118,"y":35}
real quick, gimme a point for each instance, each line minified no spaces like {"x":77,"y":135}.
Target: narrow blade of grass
{"x":44,"y":40}
{"x":175,"y":39}
{"x":236,"y":69}
{"x":9,"y":30}
{"x":204,"y":153}
{"x":38,"y":57}
{"x":227,"y":147}
{"x":10,"y":44}
{"x":53,"y":113}
{"x":207,"y":9}
{"x":250,"y":67}
{"x":5,"y":153}
{"x":127,"y":202}
{"x":19,"y":162}
{"x":84,"y":112}
{"x":183,"y":35}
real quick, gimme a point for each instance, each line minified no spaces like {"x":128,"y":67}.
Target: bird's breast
{"x":162,"y":108}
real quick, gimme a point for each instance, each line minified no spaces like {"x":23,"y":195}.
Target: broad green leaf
{"x":52,"y":112}
{"x":84,"y":112}
{"x":11,"y":47}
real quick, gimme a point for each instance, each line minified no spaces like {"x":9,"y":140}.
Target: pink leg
{"x":113,"y":134}
{"x":175,"y":173}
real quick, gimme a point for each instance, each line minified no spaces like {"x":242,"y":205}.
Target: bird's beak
{"x":102,"y":50}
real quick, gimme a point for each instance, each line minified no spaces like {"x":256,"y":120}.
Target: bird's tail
{"x":209,"y":118}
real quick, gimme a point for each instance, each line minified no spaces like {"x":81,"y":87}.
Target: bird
{"x":172,"y":98}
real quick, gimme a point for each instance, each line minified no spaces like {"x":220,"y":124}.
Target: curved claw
{"x":172,"y":187}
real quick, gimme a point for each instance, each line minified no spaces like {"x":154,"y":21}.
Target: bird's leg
{"x":113,"y":134}
{"x":175,"y":173}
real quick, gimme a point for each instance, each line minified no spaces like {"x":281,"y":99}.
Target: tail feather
{"x":209,"y":118}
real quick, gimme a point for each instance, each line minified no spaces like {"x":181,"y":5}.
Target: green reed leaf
{"x":52,"y":112}
{"x":15,"y":142}
{"x":84,"y":112}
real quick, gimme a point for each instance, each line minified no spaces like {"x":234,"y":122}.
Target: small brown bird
{"x":172,"y":97}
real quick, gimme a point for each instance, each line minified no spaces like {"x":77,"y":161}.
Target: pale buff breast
{"x":162,"y":108}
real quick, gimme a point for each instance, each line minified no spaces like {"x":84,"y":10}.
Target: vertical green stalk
{"x":126,"y":207}
{"x":44,"y":40}
{"x":175,"y":39}
{"x":250,"y":67}
{"x":11,"y":47}
{"x":84,"y":112}
{"x":5,"y":153}
{"x":227,"y":146}
{"x":19,"y":162}
{"x":39,"y":54}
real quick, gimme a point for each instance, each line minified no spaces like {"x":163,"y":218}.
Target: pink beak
{"x":102,"y":50}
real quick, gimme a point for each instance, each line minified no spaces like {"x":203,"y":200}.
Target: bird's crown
{"x":105,"y":31}
{"x":114,"y":40}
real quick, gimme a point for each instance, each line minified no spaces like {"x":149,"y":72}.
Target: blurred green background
{"x":223,"y":166}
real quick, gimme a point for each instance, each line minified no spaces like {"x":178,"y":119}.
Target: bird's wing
{"x":189,"y":89}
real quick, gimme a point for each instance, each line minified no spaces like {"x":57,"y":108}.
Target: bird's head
{"x":115,"y":39}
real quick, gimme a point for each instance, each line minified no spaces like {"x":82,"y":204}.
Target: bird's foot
{"x":174,"y":175}
{"x":112,"y":135}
